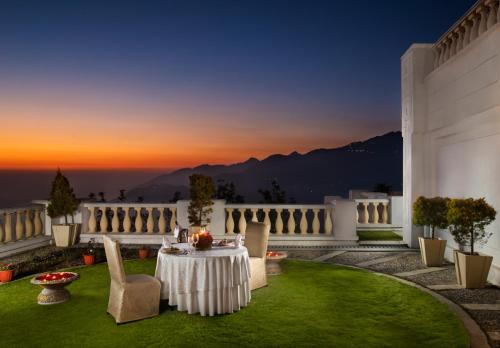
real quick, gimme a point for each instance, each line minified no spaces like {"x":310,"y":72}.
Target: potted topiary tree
{"x":468,"y":219}
{"x":431,"y":212}
{"x":199,"y":210}
{"x":62,"y":203}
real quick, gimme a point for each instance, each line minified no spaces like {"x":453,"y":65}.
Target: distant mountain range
{"x":305,"y":177}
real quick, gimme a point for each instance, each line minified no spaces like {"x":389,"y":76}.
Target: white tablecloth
{"x":210,"y":282}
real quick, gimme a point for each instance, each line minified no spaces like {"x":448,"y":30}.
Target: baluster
{"x":328,"y":220}
{"x":366,"y":216}
{"x":303,"y":221}
{"x":254,"y":215}
{"x":38,"y":222}
{"x":19,"y":226}
{"x":242,"y":224}
{"x":267,"y":220}
{"x":27,"y":224}
{"x":173,"y":219}
{"x":460,"y":39}
{"x":437,"y":52}
{"x":162,"y":223}
{"x":315,"y":223}
{"x":115,"y":222}
{"x":150,"y":221}
{"x":453,"y":46}
{"x":279,"y":221}
{"x":375,"y":212}
{"x":357,"y":212}
{"x":441,"y":53}
{"x":230,"y":221}
{"x":468,"y":27}
{"x":483,"y":19}
{"x":492,"y":15}
{"x":104,"y":220}
{"x":498,"y":13}
{"x":8,"y":227}
{"x":138,"y":220}
{"x":127,"y":223}
{"x":291,"y":222}
{"x":446,"y":50}
{"x":475,"y":27}
{"x":2,"y":233}
{"x":92,"y":224}
{"x":385,"y":215}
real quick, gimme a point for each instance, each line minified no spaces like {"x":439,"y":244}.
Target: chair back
{"x":256,"y":238}
{"x":114,"y":257}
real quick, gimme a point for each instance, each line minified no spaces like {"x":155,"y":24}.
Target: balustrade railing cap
{"x":467,"y":16}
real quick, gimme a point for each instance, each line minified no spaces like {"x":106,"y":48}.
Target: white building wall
{"x":458,"y":151}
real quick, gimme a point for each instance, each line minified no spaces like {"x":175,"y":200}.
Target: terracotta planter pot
{"x":472,"y":270}
{"x":6,"y":276}
{"x":432,"y":251}
{"x":143,"y":253}
{"x":88,"y":259}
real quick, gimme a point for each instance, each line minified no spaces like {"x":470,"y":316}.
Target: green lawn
{"x":379,"y":235}
{"x":309,"y":305}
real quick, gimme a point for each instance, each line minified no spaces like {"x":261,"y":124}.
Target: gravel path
{"x":405,"y":263}
{"x":353,"y":258}
{"x":436,"y":278}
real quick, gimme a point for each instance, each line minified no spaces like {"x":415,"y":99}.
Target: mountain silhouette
{"x":305,"y":177}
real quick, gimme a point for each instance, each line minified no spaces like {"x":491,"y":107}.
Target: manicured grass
{"x":309,"y":305}
{"x":379,"y":235}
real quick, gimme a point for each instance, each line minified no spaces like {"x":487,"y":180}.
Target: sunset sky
{"x":146,"y":84}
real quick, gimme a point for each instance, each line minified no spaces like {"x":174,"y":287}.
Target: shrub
{"x":431,"y":212}
{"x":62,"y":199}
{"x":468,"y":218}
{"x":202,"y":191}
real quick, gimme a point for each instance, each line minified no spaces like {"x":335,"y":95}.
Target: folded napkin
{"x":237,"y":241}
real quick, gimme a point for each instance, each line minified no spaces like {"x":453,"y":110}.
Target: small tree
{"x":122,"y":196}
{"x":431,"y":212}
{"x":62,"y":199}
{"x":227,"y":191}
{"x":468,"y":218}
{"x":201,"y":191}
{"x":275,"y":195}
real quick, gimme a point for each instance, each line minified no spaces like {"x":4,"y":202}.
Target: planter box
{"x":64,"y":235}
{"x":432,"y":251}
{"x":472,"y":270}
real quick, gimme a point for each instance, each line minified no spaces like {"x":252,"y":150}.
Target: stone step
{"x":481,"y":306}
{"x":329,"y":255}
{"x":419,"y":271}
{"x":381,"y":260}
{"x":445,"y":287}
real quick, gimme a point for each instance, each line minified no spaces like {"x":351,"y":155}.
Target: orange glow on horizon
{"x":79,"y":131}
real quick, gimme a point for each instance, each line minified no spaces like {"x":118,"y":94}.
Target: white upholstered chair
{"x":256,"y":239}
{"x":131,"y":297}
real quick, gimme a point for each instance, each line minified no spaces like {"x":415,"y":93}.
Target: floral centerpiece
{"x":6,"y":272}
{"x":56,"y":276}
{"x":53,"y":286}
{"x":202,"y":240}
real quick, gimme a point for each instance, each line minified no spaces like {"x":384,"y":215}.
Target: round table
{"x":208,"y":282}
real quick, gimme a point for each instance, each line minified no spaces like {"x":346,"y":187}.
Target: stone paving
{"x":483,"y":305}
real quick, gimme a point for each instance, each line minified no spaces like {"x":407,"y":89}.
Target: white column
{"x":138,"y":220}
{"x":27,"y":223}
{"x":115,"y":222}
{"x":162,"y":223}
{"x":92,"y":224}
{"x":7,"y":218}
{"x":303,"y":221}
{"x":150,"y":221}
{"x":19,"y":225}
{"x":242,"y":224}
{"x":104,"y":221}
{"x":328,"y":219}
{"x":38,"y":222}
{"x":315,"y":222}
{"x":173,"y":219}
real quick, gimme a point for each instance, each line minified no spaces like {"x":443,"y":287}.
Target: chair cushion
{"x":140,"y":278}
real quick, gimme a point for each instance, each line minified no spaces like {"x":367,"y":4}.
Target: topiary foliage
{"x":468,"y":218}
{"x":431,"y":212}
{"x":201,"y":190}
{"x":62,"y":199}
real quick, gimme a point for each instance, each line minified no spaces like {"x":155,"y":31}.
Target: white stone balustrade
{"x":373,"y":211}
{"x":18,"y":224}
{"x":482,"y":17}
{"x":285,"y":219}
{"x":130,"y":218}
